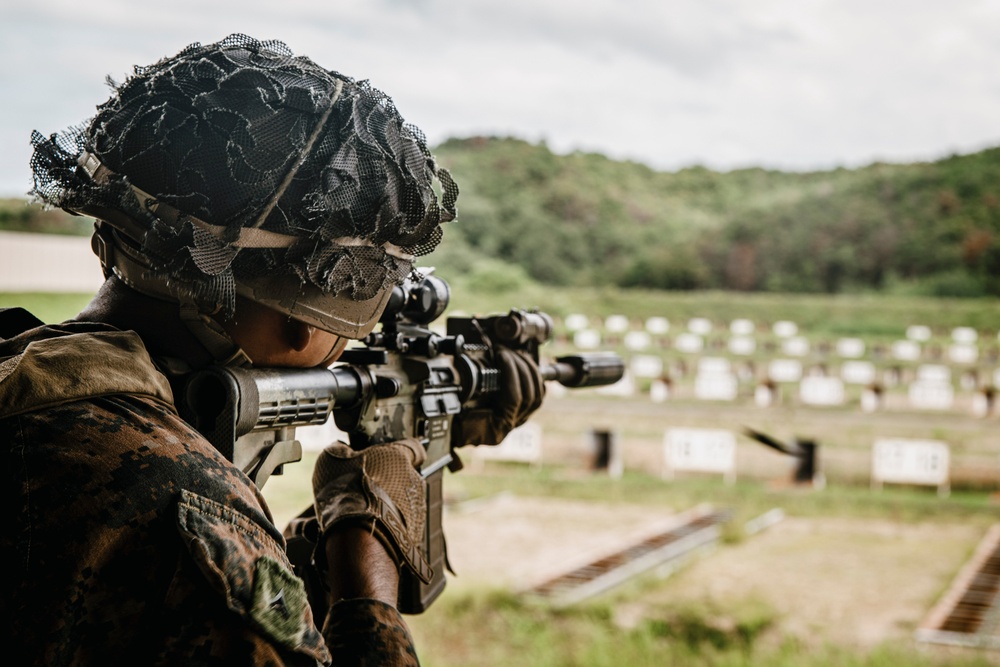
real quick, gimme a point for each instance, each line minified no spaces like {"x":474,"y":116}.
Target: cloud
{"x":783,"y":83}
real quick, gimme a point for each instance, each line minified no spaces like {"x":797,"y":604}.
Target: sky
{"x":782,"y":84}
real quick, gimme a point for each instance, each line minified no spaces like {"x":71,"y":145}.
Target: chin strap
{"x":213,"y":337}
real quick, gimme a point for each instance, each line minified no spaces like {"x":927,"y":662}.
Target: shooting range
{"x":782,"y":218}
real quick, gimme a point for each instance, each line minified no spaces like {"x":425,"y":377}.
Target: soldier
{"x":252,"y":208}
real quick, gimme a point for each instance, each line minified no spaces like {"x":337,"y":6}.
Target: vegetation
{"x":527,"y":214}
{"x":496,"y":628}
{"x":748,"y":498}
{"x":47,"y":307}
{"x":817,"y":315}
{"x":18,"y":215}
{"x":583,"y":219}
{"x":870,"y":316}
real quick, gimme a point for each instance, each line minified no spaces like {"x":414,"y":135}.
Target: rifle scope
{"x":418,"y":302}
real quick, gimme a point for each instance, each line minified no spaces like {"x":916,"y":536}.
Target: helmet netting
{"x":215,"y":131}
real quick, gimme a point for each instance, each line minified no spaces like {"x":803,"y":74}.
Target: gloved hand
{"x":521,"y":392}
{"x":379,"y":489}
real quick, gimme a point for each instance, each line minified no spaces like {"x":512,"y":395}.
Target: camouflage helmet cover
{"x":239,"y":167}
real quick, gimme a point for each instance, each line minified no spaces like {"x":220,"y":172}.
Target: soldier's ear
{"x":298,"y":334}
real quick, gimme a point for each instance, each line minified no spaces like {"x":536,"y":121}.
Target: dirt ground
{"x":515,"y":542}
{"x":848,"y":581}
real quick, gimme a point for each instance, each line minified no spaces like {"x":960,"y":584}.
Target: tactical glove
{"x":521,"y":392}
{"x":380,"y":489}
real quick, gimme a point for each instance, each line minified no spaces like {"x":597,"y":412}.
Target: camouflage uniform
{"x":133,"y":541}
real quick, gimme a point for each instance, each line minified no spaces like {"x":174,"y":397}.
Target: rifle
{"x":406,"y":382}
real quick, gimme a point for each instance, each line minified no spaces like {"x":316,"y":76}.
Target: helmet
{"x":240,"y":168}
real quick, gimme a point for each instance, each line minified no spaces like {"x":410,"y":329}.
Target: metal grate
{"x":698,"y":529}
{"x":969,"y":614}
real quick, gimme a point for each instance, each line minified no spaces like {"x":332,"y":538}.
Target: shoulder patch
{"x":250,"y":570}
{"x":279,"y":602}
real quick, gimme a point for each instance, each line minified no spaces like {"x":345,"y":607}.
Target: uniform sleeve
{"x":131,"y":541}
{"x":364,"y":631}
{"x":271,"y":619}
{"x":360,"y":631}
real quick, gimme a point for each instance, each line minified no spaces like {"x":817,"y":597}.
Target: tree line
{"x":527,"y":214}
{"x":583,"y":219}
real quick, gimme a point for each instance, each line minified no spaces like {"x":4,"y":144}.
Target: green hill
{"x":18,"y":215}
{"x":583,"y":219}
{"x":529,"y":215}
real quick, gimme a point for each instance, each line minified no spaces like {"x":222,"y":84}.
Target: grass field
{"x":47,"y":307}
{"x":864,"y":315}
